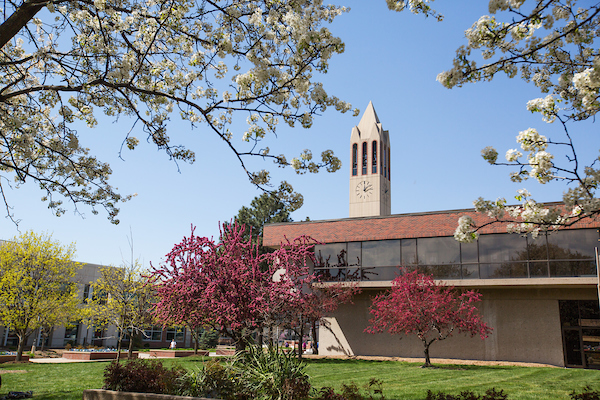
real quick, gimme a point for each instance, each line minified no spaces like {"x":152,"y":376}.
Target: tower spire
{"x":369,"y":167}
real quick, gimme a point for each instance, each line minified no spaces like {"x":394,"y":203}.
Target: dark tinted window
{"x":409,"y":251}
{"x":330,"y":255}
{"x":354,"y":254}
{"x":502,"y":247}
{"x":537,"y":248}
{"x":384,"y":253}
{"x":566,"y":245}
{"x":468,"y":252}
{"x":440,"y":250}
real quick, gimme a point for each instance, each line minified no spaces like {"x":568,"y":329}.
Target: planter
{"x":9,"y":357}
{"x":176,"y":353}
{"x":98,"y":394}
{"x":95,"y":355}
{"x":224,"y":352}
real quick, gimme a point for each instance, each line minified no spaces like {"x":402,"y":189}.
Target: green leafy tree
{"x":269,"y":207}
{"x":122,"y":297}
{"x":36,"y":279}
{"x":213,"y":64}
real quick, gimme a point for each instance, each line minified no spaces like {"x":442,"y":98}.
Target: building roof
{"x":398,"y":226}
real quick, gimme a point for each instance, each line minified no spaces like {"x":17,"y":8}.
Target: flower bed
{"x":176,"y":353}
{"x":224,"y":352}
{"x":95,"y":355}
{"x":6,"y":356}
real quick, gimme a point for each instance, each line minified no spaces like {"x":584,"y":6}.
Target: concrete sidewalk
{"x":59,"y":360}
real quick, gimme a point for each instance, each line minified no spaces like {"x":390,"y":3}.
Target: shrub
{"x":254,"y":374}
{"x":490,"y":394}
{"x":351,"y":391}
{"x":587,"y":394}
{"x":143,"y":376}
{"x":215,"y":380}
{"x":273,"y":374}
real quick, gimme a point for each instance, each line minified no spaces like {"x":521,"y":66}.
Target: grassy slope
{"x":409,"y":381}
{"x":402,"y":381}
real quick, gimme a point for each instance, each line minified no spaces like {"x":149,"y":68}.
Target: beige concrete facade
{"x":526,"y":324}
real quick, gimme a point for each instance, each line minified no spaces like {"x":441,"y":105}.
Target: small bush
{"x":373,"y":390}
{"x":254,"y":374}
{"x":143,"y":376}
{"x":490,"y":394}
{"x":273,"y":374}
{"x":215,"y":380}
{"x":587,"y":394}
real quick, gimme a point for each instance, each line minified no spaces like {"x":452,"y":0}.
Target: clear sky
{"x":391,"y":59}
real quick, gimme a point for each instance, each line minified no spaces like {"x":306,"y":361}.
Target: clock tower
{"x":369,"y":167}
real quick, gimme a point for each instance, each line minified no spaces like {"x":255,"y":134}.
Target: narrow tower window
{"x":374,"y":158}
{"x":354,"y":159}
{"x":383,"y":161}
{"x":364,"y":158}
{"x":389,"y":164}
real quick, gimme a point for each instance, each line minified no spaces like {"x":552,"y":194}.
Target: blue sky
{"x":391,"y":59}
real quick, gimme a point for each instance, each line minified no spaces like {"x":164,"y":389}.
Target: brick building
{"x":540,"y":295}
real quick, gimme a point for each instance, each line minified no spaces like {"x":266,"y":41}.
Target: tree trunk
{"x":240,"y":340}
{"x":240,"y":344}
{"x":270,"y":337}
{"x":427,"y":360}
{"x":130,"y":349}
{"x":195,"y":338}
{"x":260,"y":337}
{"x":315,"y":347}
{"x":45,"y":335}
{"x":20,"y":347}
{"x":119,"y":346}
{"x":300,"y":349}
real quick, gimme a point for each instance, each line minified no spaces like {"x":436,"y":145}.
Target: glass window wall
{"x":567,"y":253}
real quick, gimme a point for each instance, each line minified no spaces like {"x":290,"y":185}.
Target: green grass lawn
{"x":401,"y":381}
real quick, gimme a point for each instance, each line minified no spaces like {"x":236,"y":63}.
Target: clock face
{"x":364,"y":189}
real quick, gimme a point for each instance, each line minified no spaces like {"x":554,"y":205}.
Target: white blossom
{"x":489,"y":154}
{"x":464,"y":232}
{"x":513,"y":155}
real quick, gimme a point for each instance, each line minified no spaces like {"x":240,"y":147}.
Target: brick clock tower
{"x":369,"y":167}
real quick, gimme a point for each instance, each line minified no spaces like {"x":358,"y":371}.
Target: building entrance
{"x":580,"y":320}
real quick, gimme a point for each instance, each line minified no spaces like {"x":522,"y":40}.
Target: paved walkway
{"x":438,"y":361}
{"x":56,"y":360}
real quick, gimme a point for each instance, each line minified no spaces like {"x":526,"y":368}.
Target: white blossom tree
{"x":554,"y":45}
{"x":209,"y":62}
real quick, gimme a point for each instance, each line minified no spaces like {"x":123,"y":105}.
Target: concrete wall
{"x":526,"y":324}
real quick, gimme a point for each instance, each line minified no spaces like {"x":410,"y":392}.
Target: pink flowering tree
{"x":300,"y":298}
{"x":219,"y":284}
{"x":417,"y":305}
{"x":230,"y":286}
